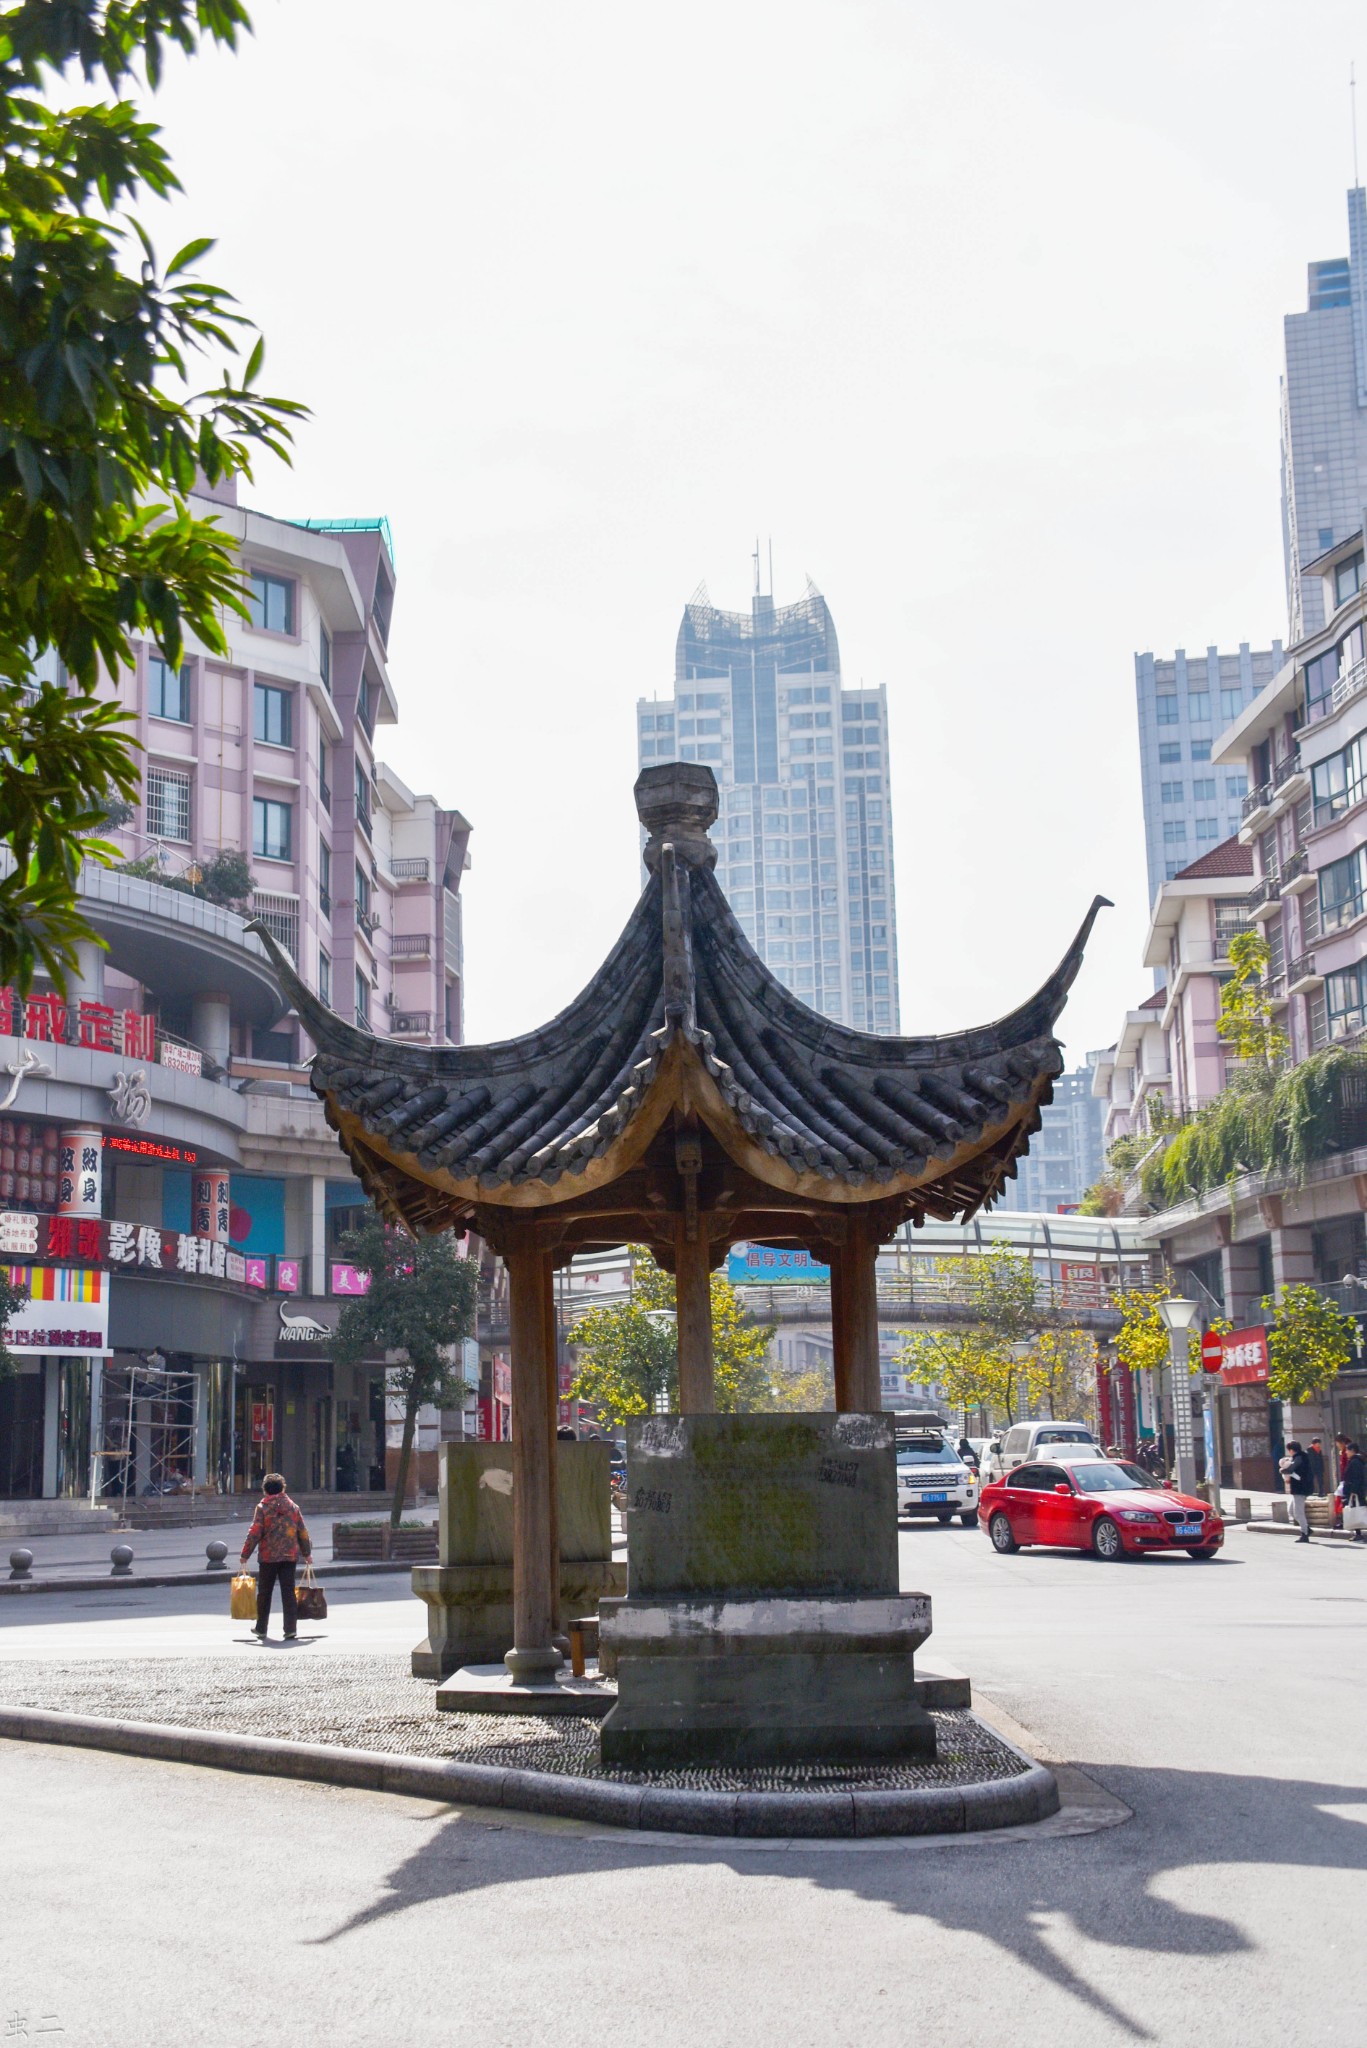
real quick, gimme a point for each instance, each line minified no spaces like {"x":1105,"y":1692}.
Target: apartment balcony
{"x":411,"y":946}
{"x":1256,"y":808}
{"x":1301,"y":978}
{"x":1264,"y":898}
{"x":1349,"y":685}
{"x":1298,"y":876}
{"x":1288,"y":780}
{"x":414,"y":868}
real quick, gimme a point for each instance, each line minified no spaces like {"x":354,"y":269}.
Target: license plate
{"x":1189,"y":1528}
{"x":933,"y":1496}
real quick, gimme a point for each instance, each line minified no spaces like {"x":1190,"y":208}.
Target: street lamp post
{"x":1178,"y":1316}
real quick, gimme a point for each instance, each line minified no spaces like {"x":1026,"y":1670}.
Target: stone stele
{"x":469,"y":1593}
{"x":763,"y":1622}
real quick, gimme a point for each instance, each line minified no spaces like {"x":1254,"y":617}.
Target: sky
{"x":975,"y":313}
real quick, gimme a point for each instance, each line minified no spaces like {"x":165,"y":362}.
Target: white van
{"x":1026,"y":1441}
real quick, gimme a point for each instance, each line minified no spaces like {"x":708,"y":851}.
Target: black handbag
{"x":311,"y":1602}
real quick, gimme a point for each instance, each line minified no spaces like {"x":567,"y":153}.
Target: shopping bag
{"x":310,"y":1599}
{"x":1354,"y":1517}
{"x":244,"y":1596}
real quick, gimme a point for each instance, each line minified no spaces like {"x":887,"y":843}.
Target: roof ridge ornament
{"x":676,"y":803}
{"x":676,"y":912}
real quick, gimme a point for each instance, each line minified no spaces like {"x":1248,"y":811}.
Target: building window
{"x":1166,"y":709}
{"x":1203,"y":790}
{"x":325,"y":656}
{"x":362,"y":895}
{"x":1198,"y":706}
{"x":273,"y":715}
{"x":1343,"y":888}
{"x":324,"y":786}
{"x":1236,"y":787}
{"x":271,"y":601}
{"x":325,"y":879}
{"x":1231,"y":704}
{"x":362,"y":1000}
{"x":1169,"y":753}
{"x":1340,"y":782}
{"x":1200,"y":750}
{"x":168,"y":689}
{"x":1345,"y":996}
{"x":271,"y":828}
{"x":1348,"y":579}
{"x":325,"y":977}
{"x":1207,"y":830}
{"x":362,"y":799}
{"x":168,"y":805}
{"x":1172,"y":792}
{"x":1175,"y":831}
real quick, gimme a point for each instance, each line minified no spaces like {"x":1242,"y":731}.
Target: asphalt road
{"x":1223,"y":1703}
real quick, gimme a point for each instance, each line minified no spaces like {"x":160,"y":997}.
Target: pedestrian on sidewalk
{"x":1354,"y":1484}
{"x":1295,"y":1471}
{"x":278,"y":1527}
{"x":1316,"y":1456}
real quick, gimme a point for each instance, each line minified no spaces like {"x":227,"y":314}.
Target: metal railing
{"x":1302,"y":968}
{"x":411,"y":945}
{"x":280,"y":915}
{"x":1266,"y":890}
{"x":1349,"y":684}
{"x":1293,"y":869}
{"x":1285,"y":769}
{"x":412,"y":868}
{"x":1256,"y":800}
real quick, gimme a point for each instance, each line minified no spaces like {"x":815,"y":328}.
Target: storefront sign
{"x":67,"y":1310}
{"x":289,"y":1277}
{"x":132,"y":1246}
{"x":256,"y":1271}
{"x":183,"y":1059}
{"x":97,"y":1025}
{"x":348,"y":1280}
{"x":765,"y":1265}
{"x":152,"y":1148}
{"x":263,"y":1422}
{"x":1246,"y":1359}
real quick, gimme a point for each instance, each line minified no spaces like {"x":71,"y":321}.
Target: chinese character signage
{"x":182,"y":1059}
{"x":209,"y":1203}
{"x":289,"y":1277}
{"x":80,"y":1172}
{"x":97,"y":1025}
{"x":1246,"y":1361}
{"x":67,"y":1310}
{"x":762,"y":1265}
{"x":347,"y":1280}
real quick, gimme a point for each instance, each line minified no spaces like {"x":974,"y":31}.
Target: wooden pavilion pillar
{"x":553,"y":1425}
{"x":693,"y":1305}
{"x":533,"y":1659}
{"x":854,"y":1319}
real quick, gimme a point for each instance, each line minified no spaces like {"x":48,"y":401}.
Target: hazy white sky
{"x":976,"y":310}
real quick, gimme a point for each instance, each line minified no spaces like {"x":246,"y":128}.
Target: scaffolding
{"x":146,"y":1433}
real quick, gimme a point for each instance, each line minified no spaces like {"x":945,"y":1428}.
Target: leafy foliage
{"x":629,"y":1354}
{"x":421,"y":1302}
{"x":1142,"y":1344}
{"x":1265,"y":1121}
{"x":1309,"y":1340}
{"x":102,"y":435}
{"x":12,"y":1299}
{"x":993,"y":1355}
{"x":226,"y":878}
{"x":1246,"y":1020}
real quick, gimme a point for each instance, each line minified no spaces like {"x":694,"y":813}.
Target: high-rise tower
{"x":805,"y":836}
{"x":1324,"y":418}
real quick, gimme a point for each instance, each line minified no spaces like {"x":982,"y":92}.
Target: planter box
{"x":377,"y":1542}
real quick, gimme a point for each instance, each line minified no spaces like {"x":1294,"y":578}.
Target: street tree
{"x":12,"y":1299}
{"x":1246,"y":1020}
{"x":105,"y":423}
{"x":629,"y":1355}
{"x":1309,"y":1342}
{"x":421,"y":1303}
{"x":993,"y":1316}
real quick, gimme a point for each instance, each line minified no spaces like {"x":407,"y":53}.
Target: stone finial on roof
{"x":676,"y":803}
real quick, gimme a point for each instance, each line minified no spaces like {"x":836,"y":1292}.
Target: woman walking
{"x":279,"y":1528}
{"x":1354,"y":1486}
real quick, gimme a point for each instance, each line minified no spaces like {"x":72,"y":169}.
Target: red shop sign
{"x":1246,"y":1359}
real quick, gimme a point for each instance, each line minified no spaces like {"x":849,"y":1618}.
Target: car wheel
{"x":1003,"y":1541}
{"x":942,"y":1519}
{"x":969,"y":1520}
{"x":1107,"y":1542}
{"x":1201,"y":1555}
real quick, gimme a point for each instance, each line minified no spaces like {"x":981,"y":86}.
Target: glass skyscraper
{"x":804,"y":840}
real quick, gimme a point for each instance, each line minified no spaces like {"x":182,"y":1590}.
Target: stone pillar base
{"x":470,"y":1609}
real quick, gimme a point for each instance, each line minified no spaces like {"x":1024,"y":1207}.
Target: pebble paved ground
{"x":372,"y":1702}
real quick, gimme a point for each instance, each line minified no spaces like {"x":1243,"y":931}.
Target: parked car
{"x":1026,"y":1440}
{"x":1079,"y":1501}
{"x":932,"y":1479}
{"x":989,"y":1459}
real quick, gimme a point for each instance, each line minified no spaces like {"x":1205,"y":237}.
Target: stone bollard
{"x":216,"y":1552}
{"x":121,"y":1561}
{"x":1280,"y":1511}
{"x":1243,"y":1508}
{"x":21,"y":1564}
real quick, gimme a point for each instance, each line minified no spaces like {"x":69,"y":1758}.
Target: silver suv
{"x":932,"y":1479}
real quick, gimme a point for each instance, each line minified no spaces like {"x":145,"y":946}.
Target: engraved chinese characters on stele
{"x":765,"y":1504}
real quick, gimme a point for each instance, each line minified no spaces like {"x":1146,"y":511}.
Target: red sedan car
{"x":1096,"y":1504}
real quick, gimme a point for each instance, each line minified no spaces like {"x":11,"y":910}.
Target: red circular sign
{"x":1212,"y":1351}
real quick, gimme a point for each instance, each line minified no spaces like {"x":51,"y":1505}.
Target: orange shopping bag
{"x":244,"y":1596}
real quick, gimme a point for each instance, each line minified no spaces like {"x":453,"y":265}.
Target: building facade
{"x":804,"y":843}
{"x":1065,"y":1159}
{"x":171,"y":1196}
{"x":1183,"y":705}
{"x":1324,"y":419}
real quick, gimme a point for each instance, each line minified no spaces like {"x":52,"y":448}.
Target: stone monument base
{"x":766,"y":1681}
{"x":492,"y":1689}
{"x":470,"y":1609}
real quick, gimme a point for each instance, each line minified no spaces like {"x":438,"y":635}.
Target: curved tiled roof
{"x":836,"y":1112}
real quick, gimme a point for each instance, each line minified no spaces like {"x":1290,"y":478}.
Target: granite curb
{"x":201,"y":1577}
{"x":930,"y":1810}
{"x":1290,"y":1529}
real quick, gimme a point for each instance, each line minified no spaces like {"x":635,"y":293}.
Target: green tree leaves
{"x":1309,"y":1341}
{"x":628,"y":1353}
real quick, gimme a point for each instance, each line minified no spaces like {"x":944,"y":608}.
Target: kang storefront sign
{"x":1246,"y":1359}
{"x":67,"y":1311}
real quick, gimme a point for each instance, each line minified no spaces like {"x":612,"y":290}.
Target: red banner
{"x":1246,"y":1358}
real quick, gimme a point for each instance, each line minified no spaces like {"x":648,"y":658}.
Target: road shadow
{"x":1105,"y":1886}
